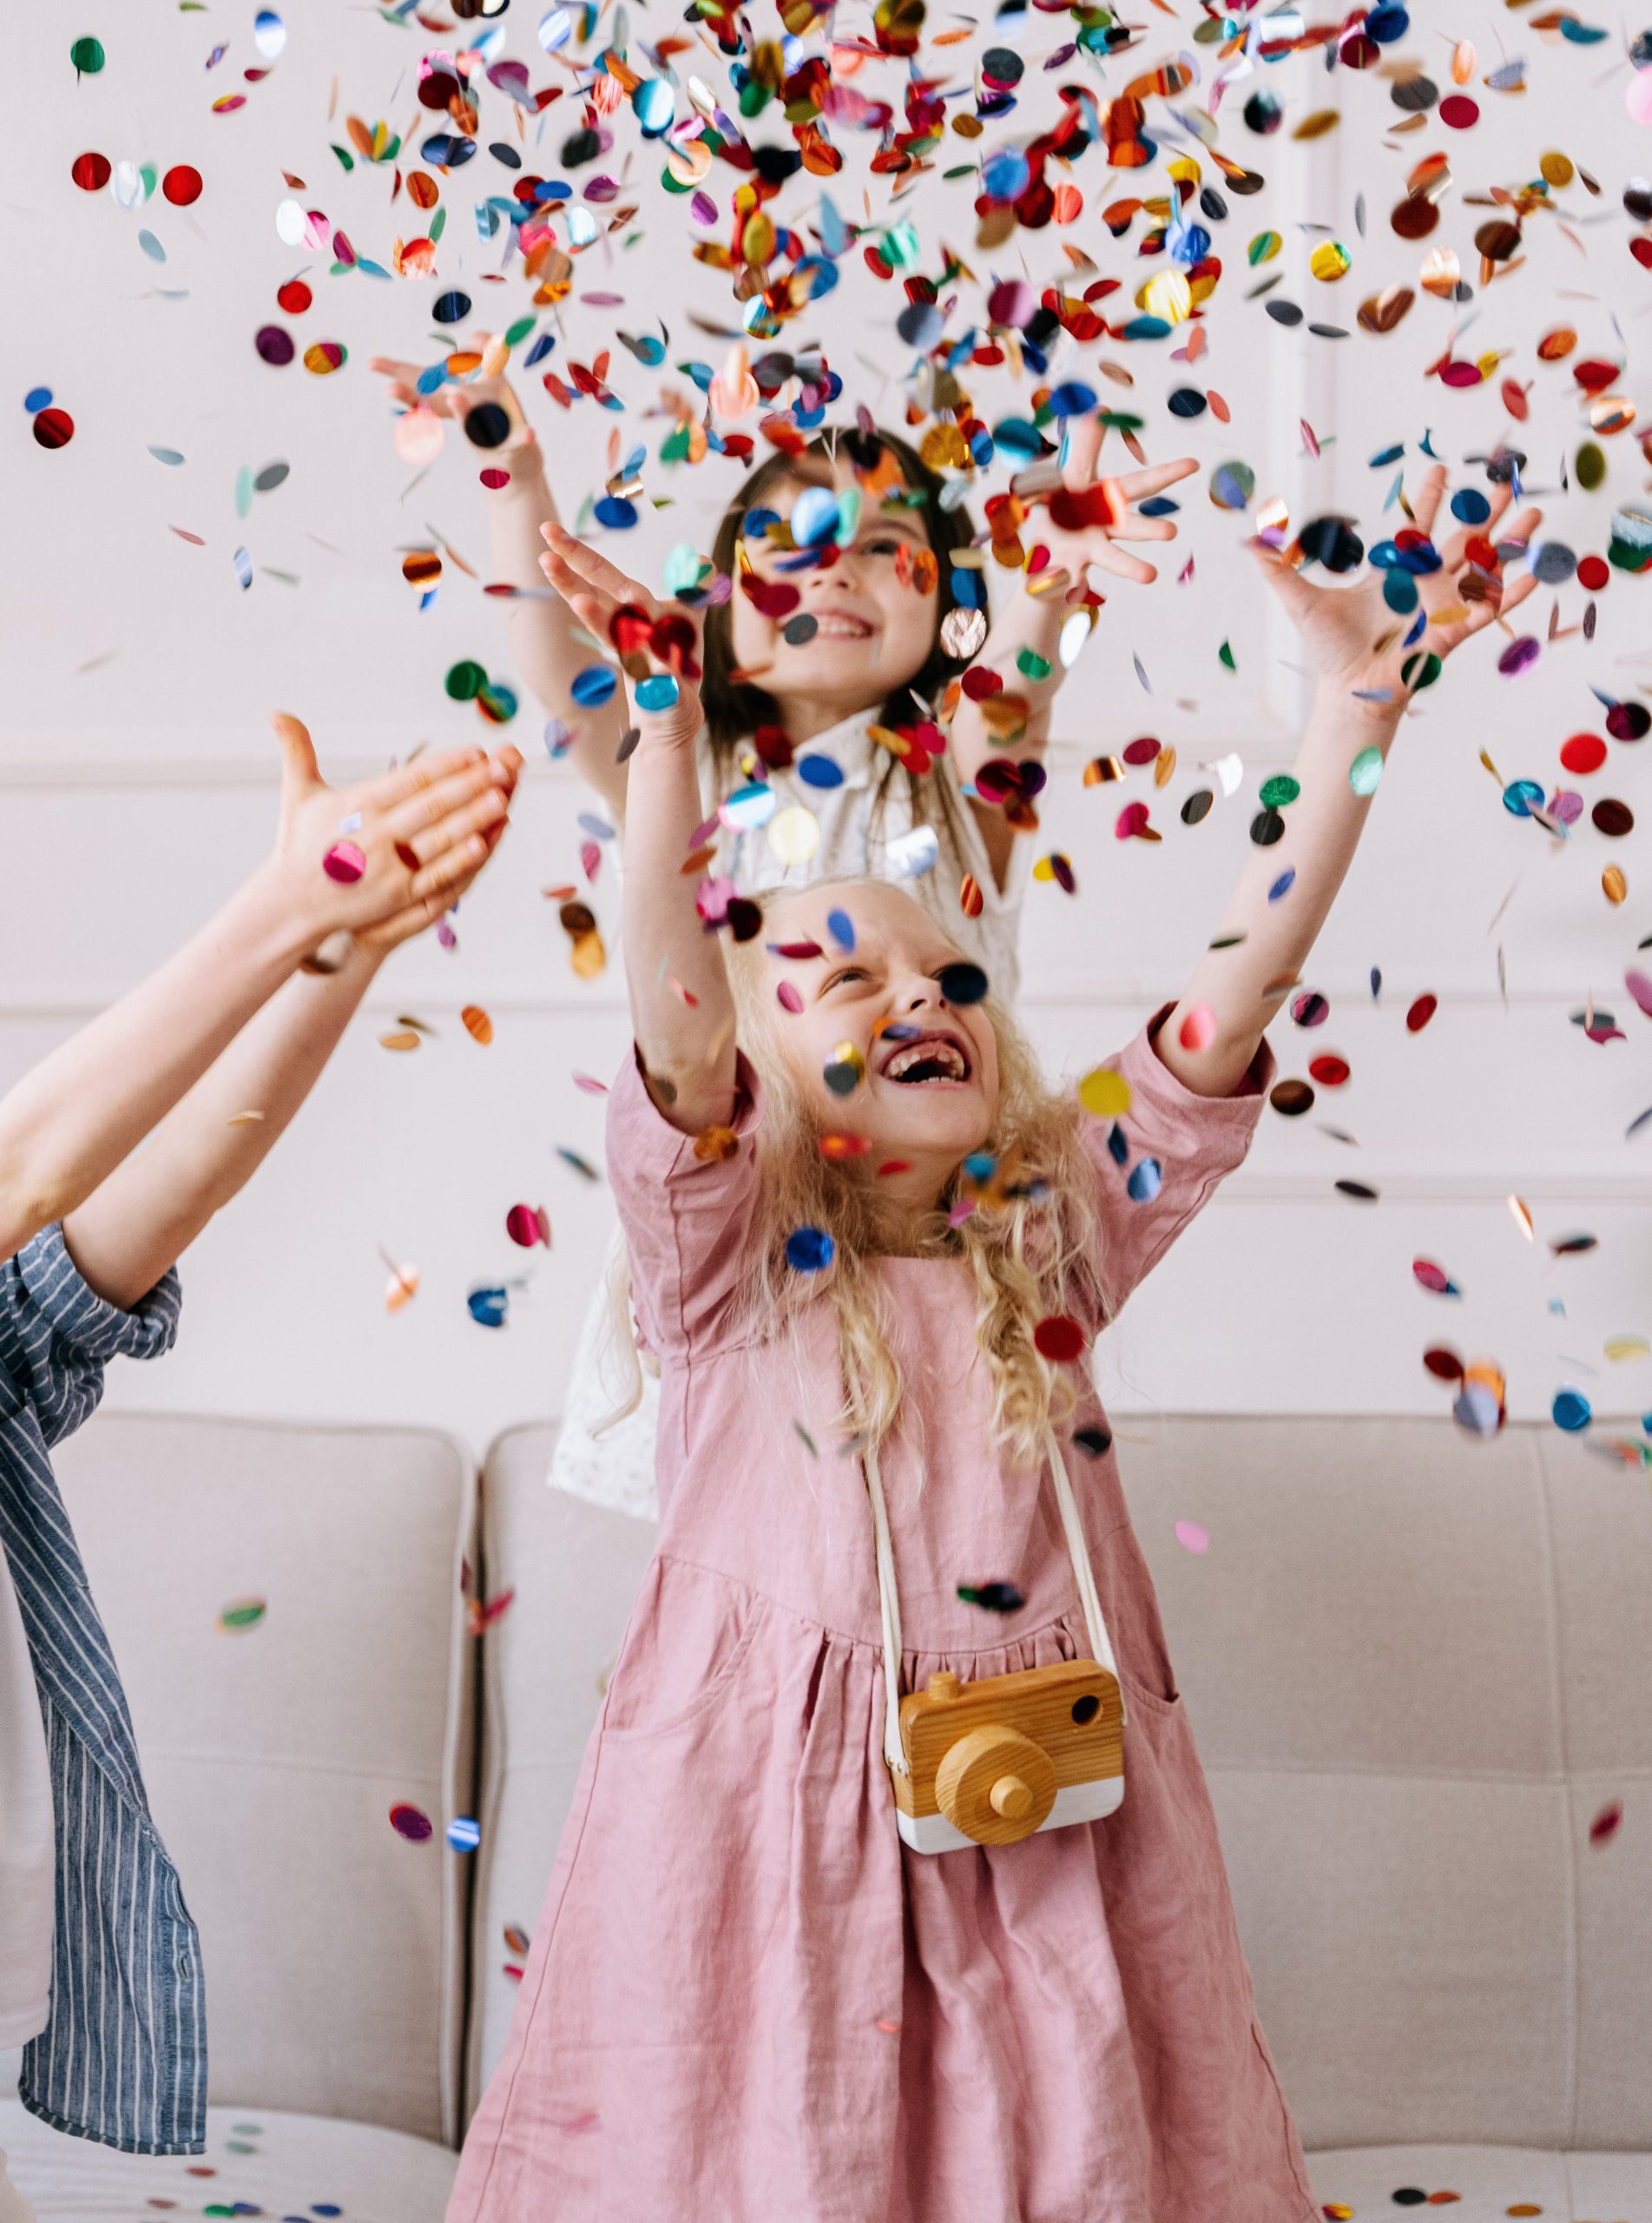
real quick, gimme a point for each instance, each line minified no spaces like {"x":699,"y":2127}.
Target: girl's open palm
{"x":457,"y":402}
{"x":1359,"y":642}
{"x":1087,"y":516}
{"x":655,"y":641}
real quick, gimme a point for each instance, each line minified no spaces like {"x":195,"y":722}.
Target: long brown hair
{"x":734,"y":709}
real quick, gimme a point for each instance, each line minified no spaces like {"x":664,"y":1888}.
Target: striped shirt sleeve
{"x":56,"y":1334}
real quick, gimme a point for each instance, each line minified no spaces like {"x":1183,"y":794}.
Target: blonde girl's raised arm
{"x":683,"y":1013}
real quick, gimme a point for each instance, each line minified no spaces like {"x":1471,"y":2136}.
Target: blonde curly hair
{"x":1030,"y":1253}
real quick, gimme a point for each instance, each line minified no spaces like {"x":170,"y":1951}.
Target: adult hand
{"x":1358,"y":642}
{"x":387,"y":856}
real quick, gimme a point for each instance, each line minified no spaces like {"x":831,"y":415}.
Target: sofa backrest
{"x":575,"y":1569}
{"x":1417,"y":1667}
{"x":334,"y":1949}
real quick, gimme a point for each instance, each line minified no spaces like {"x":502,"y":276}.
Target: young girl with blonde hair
{"x":891,"y":1891}
{"x":815,"y":664}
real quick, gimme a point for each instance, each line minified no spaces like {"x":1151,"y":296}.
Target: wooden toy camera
{"x":991,"y":1762}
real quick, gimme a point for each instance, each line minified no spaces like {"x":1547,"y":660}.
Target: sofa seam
{"x":1574,"y":1993}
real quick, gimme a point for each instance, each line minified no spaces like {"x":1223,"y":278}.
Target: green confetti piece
{"x":438,"y":225}
{"x":1031,"y":665}
{"x":1365,"y":771}
{"x":518,"y":332}
{"x":243,"y":489}
{"x":1224,"y":654}
{"x":1420,"y":669}
{"x":1279,"y":790}
{"x":87,"y":58}
{"x":344,"y":155}
{"x":244,"y":1613}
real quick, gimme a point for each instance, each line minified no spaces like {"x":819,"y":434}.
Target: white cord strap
{"x":892,"y":1750}
{"x":1083,"y":1574}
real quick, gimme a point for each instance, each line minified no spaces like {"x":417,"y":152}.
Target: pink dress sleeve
{"x":687,"y":1220}
{"x":1158,"y":1162}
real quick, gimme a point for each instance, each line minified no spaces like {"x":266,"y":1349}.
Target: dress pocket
{"x":687,"y":1639}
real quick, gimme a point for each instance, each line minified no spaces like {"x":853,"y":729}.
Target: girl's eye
{"x":848,"y":972}
{"x":886,"y":545}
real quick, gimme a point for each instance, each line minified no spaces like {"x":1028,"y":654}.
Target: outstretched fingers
{"x":596,"y":571}
{"x":1426,"y":508}
{"x":1139,"y":486}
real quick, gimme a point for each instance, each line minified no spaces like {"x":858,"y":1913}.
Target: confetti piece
{"x":242,"y":1614}
{"x":1192,"y":1537}
{"x":409,"y":1821}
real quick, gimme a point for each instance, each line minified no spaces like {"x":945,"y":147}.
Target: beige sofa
{"x":1419,"y":1667}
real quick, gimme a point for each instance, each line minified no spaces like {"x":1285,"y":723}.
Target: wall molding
{"x":1126,"y":997}
{"x":80,"y":766}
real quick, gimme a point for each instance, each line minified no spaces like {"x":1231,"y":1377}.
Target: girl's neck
{"x":807,"y":717}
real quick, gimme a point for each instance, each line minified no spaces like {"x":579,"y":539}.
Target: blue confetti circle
{"x":842,"y":928}
{"x":659,"y":692}
{"x":37,"y":399}
{"x":808,"y":1250}
{"x":818,"y":771}
{"x":1570,"y":1410}
{"x":593,"y":687}
{"x":462,"y":1834}
{"x":1470,"y":506}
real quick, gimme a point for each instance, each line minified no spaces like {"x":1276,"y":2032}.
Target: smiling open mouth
{"x":931,"y":1057}
{"x":831,"y":625}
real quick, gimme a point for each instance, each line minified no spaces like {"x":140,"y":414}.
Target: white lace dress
{"x":858,"y":838}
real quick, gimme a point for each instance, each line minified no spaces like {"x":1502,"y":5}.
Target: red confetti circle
{"x":1141,"y":752}
{"x":1585,"y":752}
{"x":408,"y":1822}
{"x":182,"y":184}
{"x":1059,"y":1340}
{"x":54,"y":428}
{"x":91,"y":172}
{"x":294,"y":297}
{"x":1593,"y":573}
{"x":1330,"y":1071}
{"x":1458,"y":112}
{"x":1444,"y":1364}
{"x":1420,"y":1012}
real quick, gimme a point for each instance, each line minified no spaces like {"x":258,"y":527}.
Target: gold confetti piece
{"x":1462,"y":61}
{"x":1316,"y":126}
{"x":418,"y":1026}
{"x":1622,"y":1347}
{"x":1522,"y":1216}
{"x":1614,"y":885}
{"x":477,"y":1024}
{"x":404,"y":1038}
{"x":246,"y":1118}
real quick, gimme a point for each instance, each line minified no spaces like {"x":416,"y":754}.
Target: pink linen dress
{"x":746,"y":1999}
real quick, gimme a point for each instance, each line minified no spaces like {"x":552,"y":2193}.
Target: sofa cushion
{"x":574,"y":1568}
{"x":334,"y":1947}
{"x":276,"y":2164}
{"x":1491,"y":2182}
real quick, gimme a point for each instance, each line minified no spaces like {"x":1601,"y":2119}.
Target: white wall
{"x":136,"y":785}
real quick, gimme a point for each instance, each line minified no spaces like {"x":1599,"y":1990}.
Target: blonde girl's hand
{"x":658,"y":643}
{"x":459,"y":403}
{"x":366,"y":858}
{"x":1087,"y":516}
{"x":1360,"y":644}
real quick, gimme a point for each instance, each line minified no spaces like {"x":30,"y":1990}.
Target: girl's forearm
{"x":1030,"y":625}
{"x":67,"y":1124}
{"x":681,"y":1010}
{"x":1241,"y":986}
{"x":140,"y":1220}
{"x":540,"y":632}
